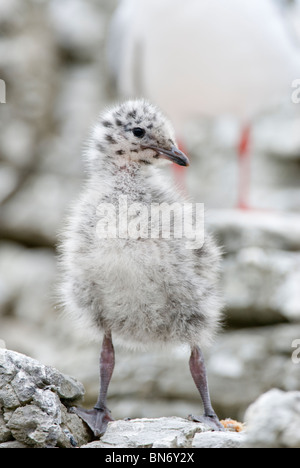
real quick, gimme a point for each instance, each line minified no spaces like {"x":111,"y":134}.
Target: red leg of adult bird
{"x":198,"y":371}
{"x":179,"y":172}
{"x":98,"y":417}
{"x":244,"y":168}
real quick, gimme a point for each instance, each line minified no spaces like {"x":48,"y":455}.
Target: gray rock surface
{"x":219,"y":440}
{"x":236,"y":229}
{"x":169,"y":432}
{"x":261,"y":267}
{"x":34,"y":401}
{"x":34,"y":413}
{"x":246,"y":363}
{"x":279,"y":299}
{"x":146,"y":433}
{"x":48,"y":60}
{"x":273,"y":421}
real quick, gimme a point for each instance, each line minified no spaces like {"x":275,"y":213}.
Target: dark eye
{"x":138,"y":132}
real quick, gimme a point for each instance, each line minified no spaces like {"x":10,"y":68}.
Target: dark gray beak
{"x":174,"y":155}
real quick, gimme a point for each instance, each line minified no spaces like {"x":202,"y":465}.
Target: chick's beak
{"x":174,"y":155}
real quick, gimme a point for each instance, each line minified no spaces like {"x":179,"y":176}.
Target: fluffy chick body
{"x":143,"y":290}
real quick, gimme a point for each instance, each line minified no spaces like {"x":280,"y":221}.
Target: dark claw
{"x":97,"y":419}
{"x":212,"y":421}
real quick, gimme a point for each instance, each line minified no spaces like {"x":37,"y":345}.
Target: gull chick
{"x":145,"y":290}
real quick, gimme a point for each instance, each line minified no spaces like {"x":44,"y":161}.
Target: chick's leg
{"x":98,"y":417}
{"x":198,"y":371}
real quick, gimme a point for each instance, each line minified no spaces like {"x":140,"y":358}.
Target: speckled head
{"x":135,"y":132}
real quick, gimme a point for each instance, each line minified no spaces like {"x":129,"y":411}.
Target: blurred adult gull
{"x":205,"y":57}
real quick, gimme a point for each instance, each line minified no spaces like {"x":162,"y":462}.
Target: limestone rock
{"x":261,"y":286}
{"x":34,"y":401}
{"x":218,"y":440}
{"x":261,"y":266}
{"x":169,"y":432}
{"x":25,"y":281}
{"x":33,"y":404}
{"x":236,"y":229}
{"x":36,"y":220}
{"x":273,"y":421}
{"x":5,"y":433}
{"x":13,"y":444}
{"x":34,"y":427}
{"x":245,"y":363}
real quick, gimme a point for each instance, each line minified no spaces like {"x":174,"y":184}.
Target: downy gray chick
{"x":143,"y":288}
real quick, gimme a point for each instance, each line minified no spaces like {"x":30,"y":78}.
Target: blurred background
{"x":62,"y":61}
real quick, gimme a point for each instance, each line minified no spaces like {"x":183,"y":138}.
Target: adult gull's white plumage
{"x":205,"y":57}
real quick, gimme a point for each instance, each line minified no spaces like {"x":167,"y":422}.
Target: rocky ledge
{"x":34,"y":402}
{"x":35,"y":412}
{"x":171,"y":432}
